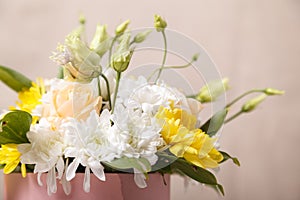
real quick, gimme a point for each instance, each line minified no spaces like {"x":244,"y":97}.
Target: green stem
{"x":243,"y":95}
{"x":165,"y":56}
{"x":116,"y":91}
{"x":99,"y":88}
{"x":233,"y":116}
{"x":107,"y":87}
{"x":170,"y":67}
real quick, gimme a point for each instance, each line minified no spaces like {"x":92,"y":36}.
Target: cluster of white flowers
{"x":73,"y":127}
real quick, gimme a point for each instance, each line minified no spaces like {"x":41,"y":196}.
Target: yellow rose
{"x":71,"y":99}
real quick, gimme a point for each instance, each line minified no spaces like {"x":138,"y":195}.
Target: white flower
{"x":139,"y":94}
{"x":138,"y":134}
{"x":127,"y":86}
{"x":87,"y":143}
{"x":45,"y":150}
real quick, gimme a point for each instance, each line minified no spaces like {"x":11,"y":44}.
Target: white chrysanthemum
{"x":138,"y":133}
{"x":138,"y":94}
{"x":87,"y":142}
{"x":45,"y":150}
{"x":127,"y":86}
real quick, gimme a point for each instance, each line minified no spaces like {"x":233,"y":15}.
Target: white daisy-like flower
{"x":138,"y":134}
{"x":139,"y":94}
{"x":87,"y":142}
{"x":45,"y":150}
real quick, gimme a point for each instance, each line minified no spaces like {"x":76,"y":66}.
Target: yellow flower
{"x":187,"y":141}
{"x":30,"y":97}
{"x":10,"y":156}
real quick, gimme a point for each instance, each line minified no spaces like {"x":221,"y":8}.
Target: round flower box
{"x":118,"y":186}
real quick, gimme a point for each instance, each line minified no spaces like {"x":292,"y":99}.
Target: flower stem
{"x":243,"y":95}
{"x":116,"y":91}
{"x":170,"y":67}
{"x":99,"y":88}
{"x":165,"y":56}
{"x":233,"y":116}
{"x":107,"y":87}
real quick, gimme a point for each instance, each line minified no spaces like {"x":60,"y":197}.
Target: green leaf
{"x":226,"y":156}
{"x":141,"y":164}
{"x":14,"y":126}
{"x":14,"y":79}
{"x":164,"y":161}
{"x":197,"y":173}
{"x":213,"y":125}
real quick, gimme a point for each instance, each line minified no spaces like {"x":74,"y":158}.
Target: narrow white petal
{"x":99,"y":173}
{"x":39,"y":179}
{"x":71,"y":170}
{"x":51,"y":182}
{"x":139,"y":179}
{"x":87,"y":180}
{"x":66,"y":184}
{"x":60,"y":167}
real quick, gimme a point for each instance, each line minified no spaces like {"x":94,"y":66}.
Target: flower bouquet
{"x":93,"y":118}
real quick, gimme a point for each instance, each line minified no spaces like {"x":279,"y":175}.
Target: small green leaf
{"x":226,"y":156}
{"x":141,"y":164}
{"x":221,"y":189}
{"x":14,"y":79}
{"x":163,"y":162}
{"x":213,"y":125}
{"x":14,"y":126}
{"x":197,"y":173}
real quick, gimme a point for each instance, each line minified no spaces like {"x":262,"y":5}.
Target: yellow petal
{"x":9,"y":167}
{"x":23,"y":170}
{"x":194,"y":159}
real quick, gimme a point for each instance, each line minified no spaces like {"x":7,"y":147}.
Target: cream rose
{"x":70,"y":99}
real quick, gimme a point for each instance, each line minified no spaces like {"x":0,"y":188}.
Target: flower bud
{"x":121,"y":61}
{"x":101,"y":41}
{"x":271,"y":91}
{"x":195,"y":57}
{"x":252,"y":103}
{"x":140,"y":37}
{"x":122,"y":27}
{"x":159,"y":23}
{"x":81,"y":19}
{"x":212,"y":90}
{"x":121,"y":58}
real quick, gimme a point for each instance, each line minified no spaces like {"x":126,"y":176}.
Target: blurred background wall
{"x":253,"y":42}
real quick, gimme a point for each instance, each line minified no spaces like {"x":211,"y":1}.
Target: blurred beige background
{"x":254,"y":42}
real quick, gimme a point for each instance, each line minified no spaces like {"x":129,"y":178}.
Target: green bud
{"x":252,"y":103}
{"x":211,"y":91}
{"x":159,"y":23}
{"x":271,"y":91}
{"x":195,"y":57}
{"x":101,"y":41}
{"x":122,"y":27}
{"x":140,"y":37}
{"x":121,"y":61}
{"x":121,"y":58}
{"x":81,"y":19}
